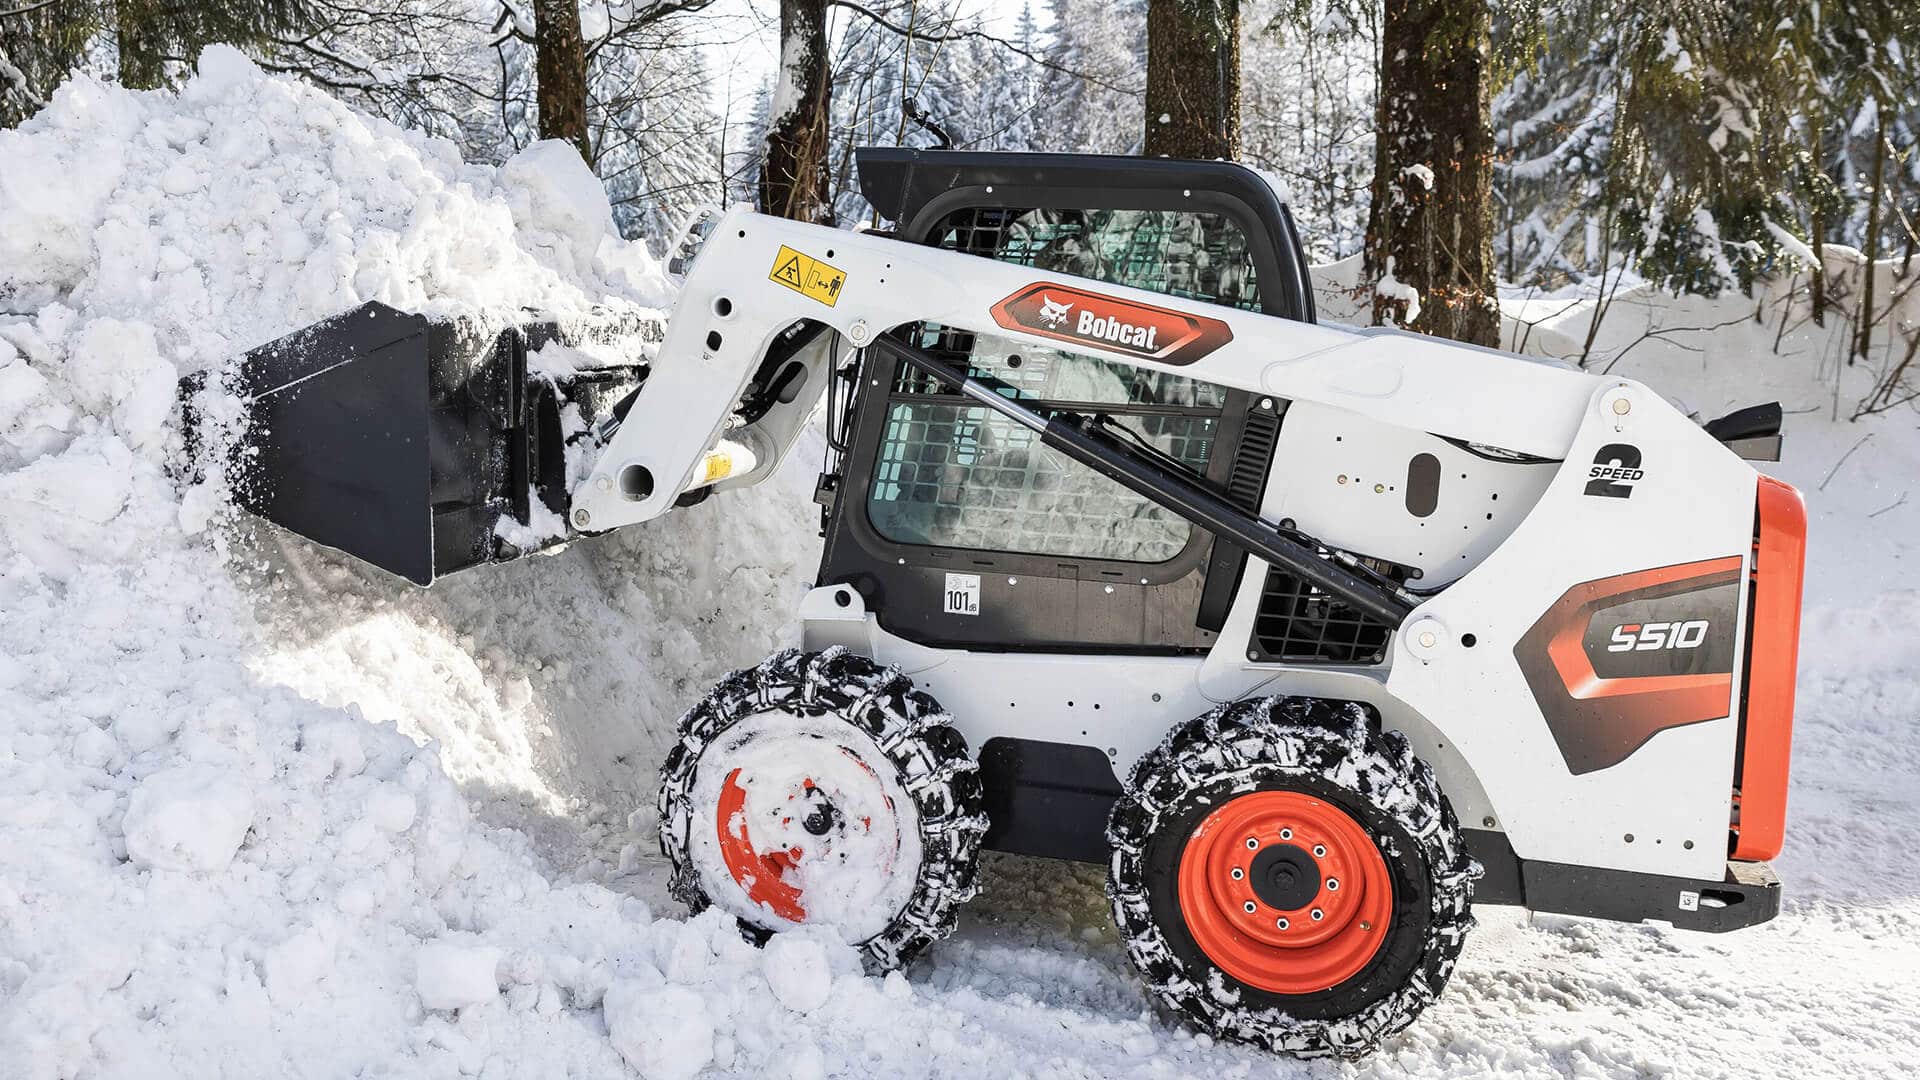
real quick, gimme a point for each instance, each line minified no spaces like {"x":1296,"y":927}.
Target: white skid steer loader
{"x":1313,"y":635}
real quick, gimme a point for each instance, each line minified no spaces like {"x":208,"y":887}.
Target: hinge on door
{"x":826,"y":492}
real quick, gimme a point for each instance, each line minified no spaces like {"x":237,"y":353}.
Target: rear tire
{"x":823,"y":789}
{"x":1285,"y":875}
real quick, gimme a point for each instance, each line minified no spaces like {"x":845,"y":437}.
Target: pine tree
{"x":158,"y":38}
{"x":1308,"y":79}
{"x":37,"y":49}
{"x":152,"y":41}
{"x":1091,"y":99}
{"x":1553,"y":129}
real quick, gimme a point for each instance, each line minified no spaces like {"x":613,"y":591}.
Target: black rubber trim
{"x":1423,"y":485}
{"x":1752,"y":422}
{"x":1246,"y":484}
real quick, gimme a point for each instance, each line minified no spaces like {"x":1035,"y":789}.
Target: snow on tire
{"x":823,"y":789}
{"x":1285,"y":875}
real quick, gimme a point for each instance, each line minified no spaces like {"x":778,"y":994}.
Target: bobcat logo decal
{"x":1053,"y":312}
{"x":1090,"y":320}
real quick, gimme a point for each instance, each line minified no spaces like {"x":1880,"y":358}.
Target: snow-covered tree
{"x":1308,"y":115}
{"x":1093,"y":94}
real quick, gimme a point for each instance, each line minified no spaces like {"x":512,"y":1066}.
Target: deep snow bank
{"x":237,"y":774}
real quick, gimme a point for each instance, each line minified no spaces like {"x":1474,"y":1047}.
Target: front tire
{"x":823,"y":789}
{"x":1285,"y":875}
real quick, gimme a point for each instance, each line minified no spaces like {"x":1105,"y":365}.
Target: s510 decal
{"x":1080,"y":317}
{"x":1615,"y":661}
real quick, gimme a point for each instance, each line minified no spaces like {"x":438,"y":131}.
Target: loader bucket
{"x":409,"y":442}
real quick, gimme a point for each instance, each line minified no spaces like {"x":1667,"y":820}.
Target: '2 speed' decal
{"x":1615,"y":470}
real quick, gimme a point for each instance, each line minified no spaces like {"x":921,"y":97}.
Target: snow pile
{"x":215,"y":220}
{"x":239,"y":776}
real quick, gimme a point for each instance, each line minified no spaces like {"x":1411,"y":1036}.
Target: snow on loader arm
{"x":1314,"y":636}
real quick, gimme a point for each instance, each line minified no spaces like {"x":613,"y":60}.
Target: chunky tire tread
{"x":1309,"y":744}
{"x":909,"y":727}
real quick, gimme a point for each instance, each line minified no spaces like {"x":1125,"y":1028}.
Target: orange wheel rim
{"x":1285,"y":892}
{"x":765,"y":870}
{"x":761,"y":875}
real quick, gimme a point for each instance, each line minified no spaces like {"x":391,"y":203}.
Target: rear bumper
{"x":1747,"y":894}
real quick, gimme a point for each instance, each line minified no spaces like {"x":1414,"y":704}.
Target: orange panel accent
{"x":1779,"y":569}
{"x":1689,"y":697}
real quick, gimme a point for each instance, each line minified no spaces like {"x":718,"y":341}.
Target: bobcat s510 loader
{"x":1313,"y":635}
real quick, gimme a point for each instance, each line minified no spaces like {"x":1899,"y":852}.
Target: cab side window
{"x":954,"y":475}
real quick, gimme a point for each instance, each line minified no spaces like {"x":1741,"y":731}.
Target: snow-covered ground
{"x":265,"y":812}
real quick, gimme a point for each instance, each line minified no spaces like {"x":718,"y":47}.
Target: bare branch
{"x":29,"y":9}
{"x":980,"y":35}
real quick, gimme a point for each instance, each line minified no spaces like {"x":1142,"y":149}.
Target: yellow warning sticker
{"x":808,"y":276}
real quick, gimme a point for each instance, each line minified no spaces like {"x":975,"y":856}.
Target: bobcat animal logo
{"x":1053,"y":312}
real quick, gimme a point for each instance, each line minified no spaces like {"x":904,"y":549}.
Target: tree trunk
{"x":1817,"y":286}
{"x":1430,"y":228}
{"x":1193,"y":79}
{"x":1878,"y":183}
{"x":793,"y":176}
{"x":560,"y":74}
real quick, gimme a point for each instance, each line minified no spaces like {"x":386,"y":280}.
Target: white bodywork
{"x":1362,"y":402}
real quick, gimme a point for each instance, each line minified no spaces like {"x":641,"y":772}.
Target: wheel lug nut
{"x":1238,"y":873}
{"x":1281,"y":923}
{"x":1286,"y":834}
{"x":1251,"y":907}
{"x":1333,"y":884}
{"x":1252,"y":844}
{"x":1317,"y":914}
{"x":1319,"y":851}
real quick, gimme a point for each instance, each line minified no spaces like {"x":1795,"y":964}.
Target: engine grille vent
{"x":1297,"y":623}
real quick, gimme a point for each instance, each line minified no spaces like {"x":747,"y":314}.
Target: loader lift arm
{"x":1081,"y":438}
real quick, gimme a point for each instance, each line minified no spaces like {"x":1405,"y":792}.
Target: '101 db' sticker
{"x":807,"y":276}
{"x":963,"y":594}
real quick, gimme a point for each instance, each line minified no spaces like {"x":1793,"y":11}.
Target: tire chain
{"x":907,"y":725}
{"x":1256,"y":740}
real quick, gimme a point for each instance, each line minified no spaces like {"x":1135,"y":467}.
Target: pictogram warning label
{"x":808,"y":276}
